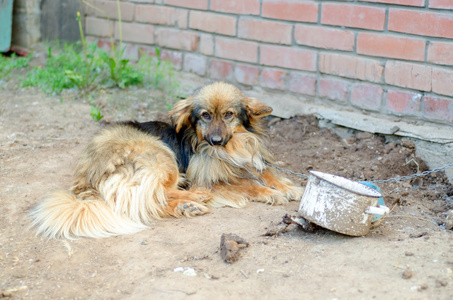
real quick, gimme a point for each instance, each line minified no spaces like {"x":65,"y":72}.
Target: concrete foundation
{"x":26,"y":23}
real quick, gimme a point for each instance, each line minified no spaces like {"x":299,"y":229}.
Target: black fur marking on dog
{"x":195,"y":116}
{"x":245,"y":120}
{"x":176,"y":141}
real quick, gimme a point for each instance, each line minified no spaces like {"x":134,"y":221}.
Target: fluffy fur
{"x":130,"y":174}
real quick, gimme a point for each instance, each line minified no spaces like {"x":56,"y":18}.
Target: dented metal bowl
{"x":340,"y":204}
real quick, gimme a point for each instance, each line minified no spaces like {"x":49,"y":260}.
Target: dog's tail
{"x":62,"y":215}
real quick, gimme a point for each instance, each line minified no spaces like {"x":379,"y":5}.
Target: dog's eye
{"x":206,"y":116}
{"x":228,"y":114}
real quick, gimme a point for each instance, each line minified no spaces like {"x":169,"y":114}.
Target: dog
{"x":131,"y":173}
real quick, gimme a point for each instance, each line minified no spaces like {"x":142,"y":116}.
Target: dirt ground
{"x":408,"y":256}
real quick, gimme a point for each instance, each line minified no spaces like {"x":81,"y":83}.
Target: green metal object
{"x":6,"y":21}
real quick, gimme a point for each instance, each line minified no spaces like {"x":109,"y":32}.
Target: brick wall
{"x":393,"y":57}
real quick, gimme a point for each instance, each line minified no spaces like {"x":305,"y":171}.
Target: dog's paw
{"x":294,"y":193}
{"x":201,"y":195}
{"x":192,"y":209}
{"x":272,"y":197}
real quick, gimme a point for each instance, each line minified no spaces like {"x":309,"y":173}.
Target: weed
{"x":122,"y":74}
{"x":96,"y":113}
{"x":159,"y":74}
{"x":85,"y":78}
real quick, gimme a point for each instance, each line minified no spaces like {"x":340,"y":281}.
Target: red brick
{"x":213,"y":22}
{"x":351,"y":15}
{"x":441,"y":4}
{"x":287,"y":57}
{"x":301,"y":11}
{"x":246,"y":74}
{"x":131,"y":51}
{"x":182,"y":17}
{"x":400,"y":2}
{"x":135,"y":33}
{"x":438,"y":108}
{"x":177,"y":39}
{"x":221,"y":69}
{"x":265,"y":31}
{"x":440,"y":53}
{"x":244,"y":7}
{"x":421,"y":23}
{"x":442,"y":81}
{"x":391,"y":46}
{"x":333,"y":89}
{"x":104,"y":44}
{"x":350,"y":67}
{"x":99,"y":27}
{"x":195,"y":4}
{"x":408,"y":75}
{"x":109,"y":9}
{"x":236,"y":49}
{"x":147,"y":51}
{"x":155,"y":14}
{"x":302,"y":84}
{"x":174,"y":57}
{"x":324,"y":37}
{"x":274,"y":79}
{"x":366,"y":96}
{"x":194,"y":63}
{"x":403,"y":102}
{"x":206,"y":44}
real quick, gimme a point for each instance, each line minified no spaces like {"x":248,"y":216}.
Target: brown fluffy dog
{"x":129,"y":174}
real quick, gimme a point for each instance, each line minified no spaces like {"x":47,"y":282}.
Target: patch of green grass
{"x":7,"y":64}
{"x":60,"y":71}
{"x":73,"y":66}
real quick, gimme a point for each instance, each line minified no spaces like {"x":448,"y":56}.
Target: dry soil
{"x":408,"y":256}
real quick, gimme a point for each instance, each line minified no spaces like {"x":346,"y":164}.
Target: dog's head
{"x":217,"y":112}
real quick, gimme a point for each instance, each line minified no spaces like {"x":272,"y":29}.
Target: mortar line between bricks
{"x":318,"y":21}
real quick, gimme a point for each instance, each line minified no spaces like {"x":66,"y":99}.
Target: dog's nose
{"x":216,"y":140}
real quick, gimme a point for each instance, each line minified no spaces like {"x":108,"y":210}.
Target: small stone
{"x":407,"y":253}
{"x":407,"y":273}
{"x":441,"y":283}
{"x":394,"y":129}
{"x":449,"y":220}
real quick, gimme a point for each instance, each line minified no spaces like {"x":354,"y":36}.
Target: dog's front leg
{"x":186,"y":203}
{"x":241,"y":191}
{"x":284,"y":185}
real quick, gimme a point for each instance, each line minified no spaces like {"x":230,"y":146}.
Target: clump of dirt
{"x":230,"y":244}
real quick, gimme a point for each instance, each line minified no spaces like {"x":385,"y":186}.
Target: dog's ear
{"x":181,"y":113}
{"x":256,"y":109}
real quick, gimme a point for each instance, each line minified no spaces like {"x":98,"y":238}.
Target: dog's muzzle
{"x":215,"y":140}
